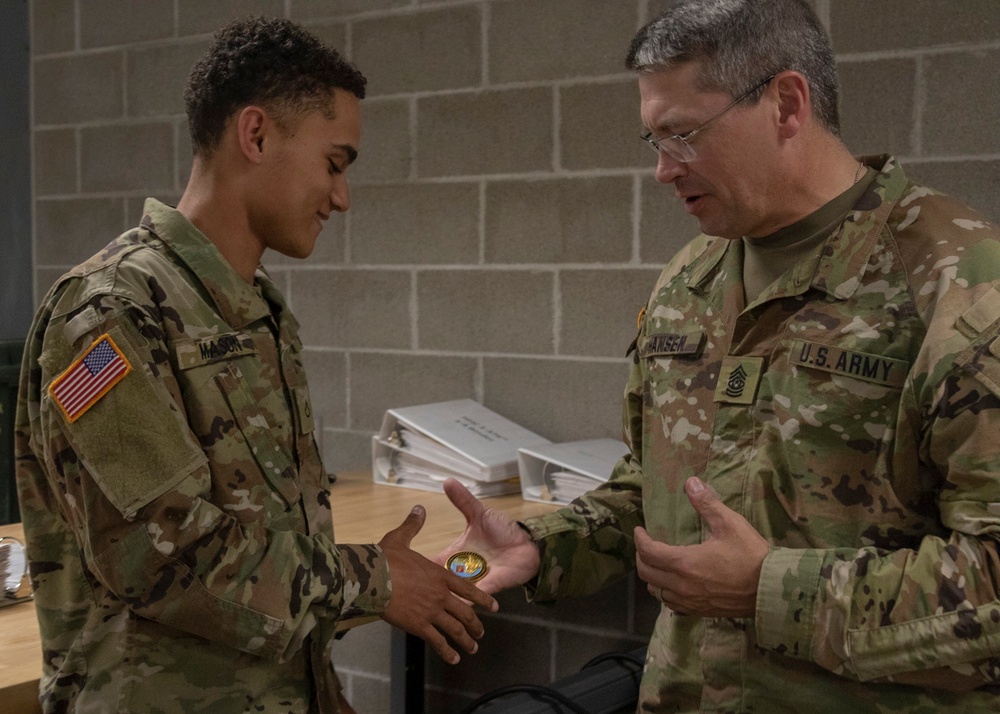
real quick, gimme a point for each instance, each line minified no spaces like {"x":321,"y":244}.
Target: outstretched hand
{"x":427,"y":600}
{"x":716,"y":578}
{"x":511,"y":554}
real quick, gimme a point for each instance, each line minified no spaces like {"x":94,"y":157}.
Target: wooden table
{"x":362,"y":513}
{"x":20,"y":649}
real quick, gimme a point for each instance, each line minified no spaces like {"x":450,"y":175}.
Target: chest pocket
{"x":272,"y":460}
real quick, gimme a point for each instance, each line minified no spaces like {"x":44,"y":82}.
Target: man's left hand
{"x":716,"y":578}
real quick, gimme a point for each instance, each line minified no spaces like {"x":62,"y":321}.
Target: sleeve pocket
{"x":134,"y":440}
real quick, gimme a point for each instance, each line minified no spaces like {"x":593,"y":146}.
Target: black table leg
{"x":406,"y":672}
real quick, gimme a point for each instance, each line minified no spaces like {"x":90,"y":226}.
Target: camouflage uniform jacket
{"x":851,"y":413}
{"x":179,"y":531}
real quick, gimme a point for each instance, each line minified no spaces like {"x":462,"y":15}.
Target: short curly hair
{"x":267,"y":61}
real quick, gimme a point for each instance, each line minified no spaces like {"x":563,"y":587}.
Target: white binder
{"x":421,"y":446}
{"x":558,"y":473}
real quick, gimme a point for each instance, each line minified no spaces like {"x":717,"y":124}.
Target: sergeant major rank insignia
{"x":739,"y":378}
{"x":737,"y":382}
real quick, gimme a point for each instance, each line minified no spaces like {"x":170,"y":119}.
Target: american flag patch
{"x":89,"y":378}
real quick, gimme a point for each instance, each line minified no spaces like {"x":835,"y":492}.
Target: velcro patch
{"x":739,"y":378}
{"x":984,"y":312}
{"x":89,"y":378}
{"x":213,"y":349}
{"x":871,"y":368}
{"x":672,"y":345}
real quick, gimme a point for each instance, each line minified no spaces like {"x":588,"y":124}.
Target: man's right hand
{"x":512,"y":556}
{"x":427,"y":600}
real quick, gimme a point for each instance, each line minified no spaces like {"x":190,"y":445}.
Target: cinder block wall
{"x":505,"y":226}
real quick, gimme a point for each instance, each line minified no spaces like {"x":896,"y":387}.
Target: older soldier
{"x":174,"y":502}
{"x":813,"y":488}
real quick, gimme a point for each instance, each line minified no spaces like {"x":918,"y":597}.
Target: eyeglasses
{"x":678,"y":146}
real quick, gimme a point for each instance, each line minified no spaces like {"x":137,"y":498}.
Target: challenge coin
{"x":467,"y":564}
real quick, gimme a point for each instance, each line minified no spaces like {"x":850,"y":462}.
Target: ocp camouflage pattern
{"x":852,"y":414}
{"x":179,"y":532}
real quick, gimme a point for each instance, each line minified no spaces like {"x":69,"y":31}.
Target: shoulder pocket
{"x":133,"y":439}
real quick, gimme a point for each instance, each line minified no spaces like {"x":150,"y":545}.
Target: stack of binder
{"x":558,"y":473}
{"x":422,"y":446}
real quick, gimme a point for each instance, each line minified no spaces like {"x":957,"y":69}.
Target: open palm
{"x":510,"y":552}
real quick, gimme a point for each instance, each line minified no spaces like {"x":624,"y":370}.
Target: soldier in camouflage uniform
{"x":175,"y":507}
{"x":813,"y":487}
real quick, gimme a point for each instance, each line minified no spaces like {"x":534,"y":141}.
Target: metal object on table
{"x":15,"y":585}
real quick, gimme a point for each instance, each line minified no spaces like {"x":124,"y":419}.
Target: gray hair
{"x":741,"y":42}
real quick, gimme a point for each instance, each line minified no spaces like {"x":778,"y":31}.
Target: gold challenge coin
{"x":467,"y":564}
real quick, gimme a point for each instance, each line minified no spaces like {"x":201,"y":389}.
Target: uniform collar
{"x":841,"y":264}
{"x":236,"y":300}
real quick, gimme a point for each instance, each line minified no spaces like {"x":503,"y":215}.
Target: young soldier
{"x":175,"y":507}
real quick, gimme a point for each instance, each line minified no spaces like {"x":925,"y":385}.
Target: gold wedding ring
{"x":467,"y":564}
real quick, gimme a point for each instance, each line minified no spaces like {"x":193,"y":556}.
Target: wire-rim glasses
{"x":678,"y":146}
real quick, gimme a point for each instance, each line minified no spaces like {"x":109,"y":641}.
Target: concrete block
{"x":563,"y":400}
{"x":654,"y":9}
{"x":369,"y":695}
{"x":127,"y":157}
{"x":134,"y":206}
{"x":415,"y":224}
{"x":386,"y":151}
{"x":328,"y":249}
{"x":157,"y":76}
{"x":183,"y":152}
{"x":70,"y":231}
{"x":900,"y":24}
{"x":385,"y":381}
{"x":494,"y":132}
{"x":585,"y":220}
{"x":877,"y":106}
{"x":197,"y":17}
{"x":314,"y":9}
{"x":353,"y":308}
{"x":124,"y":22}
{"x":327,"y":375}
{"x":664,"y":226}
{"x":600,"y":127}
{"x":55,"y":162}
{"x":658,"y":7}
{"x":346,"y":451}
{"x":423,"y":51}
{"x":599,"y":309}
{"x":550,"y":39}
{"x":485,"y":311}
{"x":973,"y":182}
{"x":53,"y":26}
{"x":363,"y":649}
{"x":332,"y":33}
{"x":73,"y":89}
{"x":45,"y":278}
{"x":963,"y":108}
